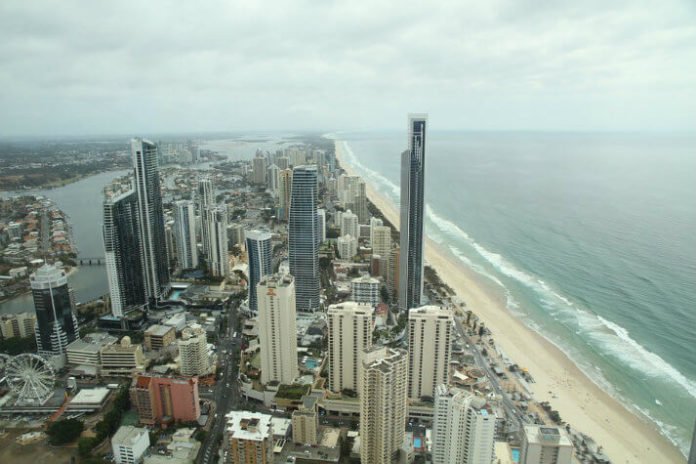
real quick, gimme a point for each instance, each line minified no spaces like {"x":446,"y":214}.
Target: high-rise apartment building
{"x":193,"y":352}
{"x":165,"y":399}
{"x":260,"y":251}
{"x":430,"y":339}
{"x":347,"y":246}
{"x":216,"y":230}
{"x":284,"y":193}
{"x":381,"y":241}
{"x":150,"y":220}
{"x":123,"y":247}
{"x":305,"y":422}
{"x":543,"y":444}
{"x":277,"y":329}
{"x":352,"y":193}
{"x":259,"y":169}
{"x":463,"y":428}
{"x":205,"y":198}
{"x":321,"y":213}
{"x":303,"y":237}
{"x":349,"y":224}
{"x":365,"y":289}
{"x":383,"y":402}
{"x":350,"y":335}
{"x":272,"y":173}
{"x":250,"y":437}
{"x":185,"y":234}
{"x":412,"y":215}
{"x":54,"y":302}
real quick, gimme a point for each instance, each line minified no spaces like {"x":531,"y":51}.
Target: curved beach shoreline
{"x":624,"y":436}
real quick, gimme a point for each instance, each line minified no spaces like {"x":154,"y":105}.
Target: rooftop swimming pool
{"x":516,"y":455}
{"x":417,"y":443}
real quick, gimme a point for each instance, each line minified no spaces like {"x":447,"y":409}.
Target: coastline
{"x":624,"y":436}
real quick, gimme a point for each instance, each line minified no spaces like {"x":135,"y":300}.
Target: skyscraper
{"x":205,"y":199}
{"x":259,"y":169}
{"x":260,"y":251}
{"x":185,"y":234}
{"x":285,"y":188}
{"x":463,"y":428}
{"x":303,"y":237}
{"x":350,"y":224}
{"x":350,"y":334}
{"x":56,"y":324}
{"x":277,"y":329}
{"x":150,"y":219}
{"x":122,"y":247}
{"x":321,"y":212}
{"x":216,"y":230}
{"x":381,"y":241}
{"x":193,"y":352}
{"x":272,"y":172}
{"x":429,"y":338}
{"x":412,"y":214}
{"x":383,"y":378}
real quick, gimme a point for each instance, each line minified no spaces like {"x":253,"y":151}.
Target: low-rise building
{"x":85,"y":353}
{"x":183,"y":449}
{"x":122,"y":359}
{"x":129,"y":444}
{"x":305,"y":422}
{"x":159,"y":336}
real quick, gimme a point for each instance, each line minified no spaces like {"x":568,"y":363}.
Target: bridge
{"x":90,"y":260}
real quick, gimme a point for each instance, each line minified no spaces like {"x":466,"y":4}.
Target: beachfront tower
{"x":277,"y":329}
{"x":205,"y":199}
{"x":692,"y":453}
{"x":412,"y":214}
{"x":463,"y":428}
{"x":543,"y":444}
{"x":429,"y":340}
{"x":122,"y":247}
{"x":150,"y":219}
{"x":303,"y":237}
{"x":260,"y":250}
{"x":383,"y":404}
{"x":56,"y":324}
{"x":185,"y":233}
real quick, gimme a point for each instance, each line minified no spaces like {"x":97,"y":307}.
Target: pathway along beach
{"x":624,"y":436}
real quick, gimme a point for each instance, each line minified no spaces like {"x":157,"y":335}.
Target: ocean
{"x":590,"y":238}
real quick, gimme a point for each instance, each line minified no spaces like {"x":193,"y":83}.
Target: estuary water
{"x":591,"y":238}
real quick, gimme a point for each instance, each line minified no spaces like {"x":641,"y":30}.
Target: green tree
{"x":64,"y":431}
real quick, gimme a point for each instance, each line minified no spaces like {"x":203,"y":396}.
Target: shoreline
{"x":624,"y":436}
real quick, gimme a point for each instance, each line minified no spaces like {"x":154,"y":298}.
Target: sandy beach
{"x":625,"y":437}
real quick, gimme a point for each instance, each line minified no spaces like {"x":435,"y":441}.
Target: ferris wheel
{"x":31,"y":378}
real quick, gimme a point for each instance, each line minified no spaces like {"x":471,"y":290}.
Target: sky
{"x":130,"y":67}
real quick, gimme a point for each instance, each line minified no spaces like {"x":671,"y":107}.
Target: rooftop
{"x":247,"y":425}
{"x":158,"y":330}
{"x":128,"y":435}
{"x":91,"y":396}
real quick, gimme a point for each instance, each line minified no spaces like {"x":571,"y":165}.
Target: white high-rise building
{"x":349,"y":224}
{"x":347,"y":246}
{"x":277,"y":329}
{"x":216,"y":254}
{"x":543,"y":444}
{"x":205,"y":199}
{"x":430,"y":339}
{"x":350,"y":334}
{"x":463,"y":428}
{"x":365,"y":289}
{"x":193,"y":352}
{"x":374,"y":222}
{"x":381,"y":241}
{"x":272,"y":180}
{"x":185,"y":234}
{"x":322,"y":224}
{"x":383,"y":402}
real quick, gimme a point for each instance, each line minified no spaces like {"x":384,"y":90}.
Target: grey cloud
{"x":132,"y":67}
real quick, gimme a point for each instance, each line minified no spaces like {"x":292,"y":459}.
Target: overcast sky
{"x":164,"y":66}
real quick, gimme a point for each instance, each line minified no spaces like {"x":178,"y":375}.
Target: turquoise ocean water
{"x":591,"y":239}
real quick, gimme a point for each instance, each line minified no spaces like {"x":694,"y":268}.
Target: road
{"x":226,"y":391}
{"x":512,"y":414}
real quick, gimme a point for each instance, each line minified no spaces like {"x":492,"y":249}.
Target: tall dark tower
{"x":151,"y":219}
{"x":260,"y":251}
{"x":303,"y":238}
{"x":412,"y":214}
{"x":122,"y":247}
{"x":56,"y":324}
